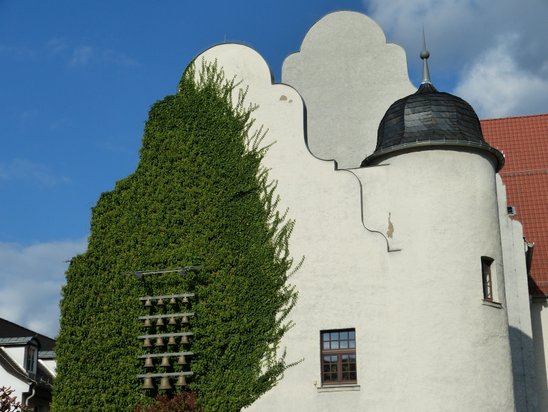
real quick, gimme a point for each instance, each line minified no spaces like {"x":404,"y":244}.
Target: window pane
{"x":344,"y":344}
{"x":326,"y":345}
{"x":348,"y":367}
{"x":329,"y":368}
{"x":335,"y":344}
{"x":352,"y":362}
{"x":344,"y":335}
{"x":334,"y":335}
{"x":352,"y":342}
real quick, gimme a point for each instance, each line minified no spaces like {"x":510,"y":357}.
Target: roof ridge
{"x":525,"y":172}
{"x":514,"y":117}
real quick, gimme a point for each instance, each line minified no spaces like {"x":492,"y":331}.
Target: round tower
{"x":447,"y":344}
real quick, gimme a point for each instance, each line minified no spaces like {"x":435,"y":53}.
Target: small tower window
{"x":487,"y":278}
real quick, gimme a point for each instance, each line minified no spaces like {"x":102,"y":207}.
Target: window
{"x":487,"y":278}
{"x":31,"y":359}
{"x":338,"y":356}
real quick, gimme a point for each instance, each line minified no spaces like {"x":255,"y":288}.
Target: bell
{"x":172,"y":321}
{"x":148,"y":303}
{"x":147,"y":384}
{"x":184,"y":339}
{"x":149,"y":363}
{"x":181,"y":360}
{"x":164,"y":383}
{"x":160,"y":322}
{"x":159,"y":341}
{"x":181,"y":381}
{"x":173,"y":301}
{"x":160,"y":302}
{"x":147,"y":343}
{"x":171,"y":341}
{"x":184,"y":320}
{"x":185,"y":299}
{"x":165,"y":362}
{"x":147,"y":323}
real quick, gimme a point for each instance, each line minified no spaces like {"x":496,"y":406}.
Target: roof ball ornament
{"x":425,"y":54}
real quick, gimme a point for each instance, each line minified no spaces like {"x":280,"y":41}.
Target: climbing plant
{"x":199,"y":196}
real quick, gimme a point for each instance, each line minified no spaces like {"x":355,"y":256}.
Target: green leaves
{"x":198,"y":197}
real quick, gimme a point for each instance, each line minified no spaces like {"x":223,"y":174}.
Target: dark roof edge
{"x":435,"y":144}
{"x":11,"y":329}
{"x":46,"y":354}
{"x":18,"y":341}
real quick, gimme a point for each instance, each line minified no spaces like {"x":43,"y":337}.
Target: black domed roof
{"x":429,"y":119}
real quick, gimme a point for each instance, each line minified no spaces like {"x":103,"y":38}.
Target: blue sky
{"x":77,"y":79}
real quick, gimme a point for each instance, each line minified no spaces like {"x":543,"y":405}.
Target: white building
{"x":414,"y":273}
{"x":27,"y":365}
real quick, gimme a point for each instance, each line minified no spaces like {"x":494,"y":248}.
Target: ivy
{"x":199,"y":196}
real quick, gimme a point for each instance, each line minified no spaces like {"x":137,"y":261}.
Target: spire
{"x":425,"y":54}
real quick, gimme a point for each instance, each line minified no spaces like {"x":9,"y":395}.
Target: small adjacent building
{"x":524,"y":141}
{"x":27,"y":365}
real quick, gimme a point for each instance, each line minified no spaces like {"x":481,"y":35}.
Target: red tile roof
{"x":524,"y":141}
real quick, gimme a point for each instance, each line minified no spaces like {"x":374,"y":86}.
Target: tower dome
{"x":429,"y":119}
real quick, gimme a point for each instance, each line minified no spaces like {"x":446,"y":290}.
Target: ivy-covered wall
{"x":198,"y":197}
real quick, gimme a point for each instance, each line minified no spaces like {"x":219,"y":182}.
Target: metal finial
{"x":425,"y":54}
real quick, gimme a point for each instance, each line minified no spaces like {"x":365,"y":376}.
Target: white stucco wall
{"x":332,"y":285}
{"x":50,"y":364}
{"x":518,"y":307}
{"x":424,"y":339}
{"x":539,"y":315}
{"x":17,"y":355}
{"x":348,"y":76}
{"x":10,"y":381}
{"x":441,"y":206}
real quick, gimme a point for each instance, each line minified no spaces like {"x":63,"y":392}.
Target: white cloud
{"x":20,"y":52}
{"x":118,"y":58}
{"x":31,"y":278}
{"x":82,"y":56}
{"x":466,"y":34}
{"x":78,"y":56}
{"x":56,"y":45}
{"x":496,"y":86}
{"x":25,"y":170}
{"x":86,"y":55}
